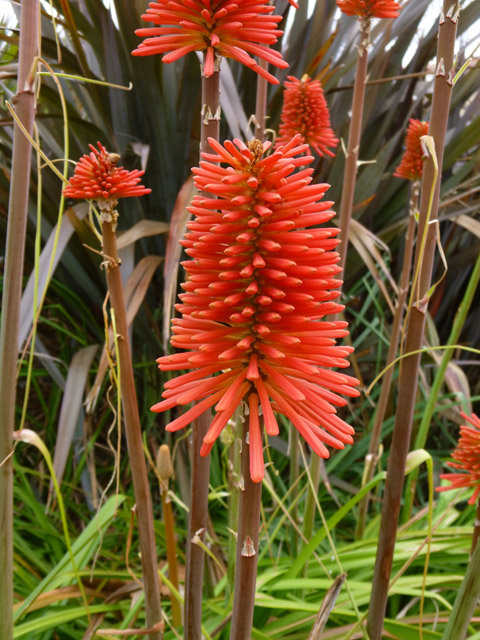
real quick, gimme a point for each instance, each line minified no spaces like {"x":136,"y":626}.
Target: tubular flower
{"x":305,"y":112}
{"x":466,"y":457}
{"x":411,"y":165}
{"x":97,"y":177}
{"x":258,"y":288}
{"x":237,"y":29}
{"x":370,"y":8}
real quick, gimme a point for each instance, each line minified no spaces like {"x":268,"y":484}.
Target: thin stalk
{"x":200,"y":475}
{"x":466,"y":600}
{"x":408,"y":384}
{"x":310,"y":500}
{"x":247,"y":548}
{"x":24,"y":102}
{"x":476,"y":529}
{"x":294,"y":491}
{"x":138,"y":466}
{"x":392,"y":352}
{"x":354,"y":134}
{"x":165,"y":472}
{"x":427,"y":415}
{"x":234,"y":481}
{"x":261,"y":104}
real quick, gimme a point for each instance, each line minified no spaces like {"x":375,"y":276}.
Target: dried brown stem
{"x":24,"y":103}
{"x":392,"y":352}
{"x":138,"y":466}
{"x":247,"y":548}
{"x":354,"y":134}
{"x":200,"y":476}
{"x":416,"y":323}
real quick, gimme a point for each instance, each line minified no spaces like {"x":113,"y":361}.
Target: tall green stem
{"x":354,"y":134}
{"x":392,"y":352}
{"x":466,"y":600}
{"x":416,"y":325}
{"x":200,"y":476}
{"x":138,"y":466}
{"x":294,"y":445}
{"x":247,"y":548}
{"x":422,"y":434}
{"x":24,"y":103}
{"x":310,"y":501}
{"x":165,"y":472}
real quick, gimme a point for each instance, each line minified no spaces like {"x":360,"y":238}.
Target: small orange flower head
{"x":411,"y":165}
{"x":230,"y":28}
{"x":261,"y":281}
{"x":305,"y":112}
{"x":370,"y":8}
{"x":466,"y":457}
{"x":97,"y":176}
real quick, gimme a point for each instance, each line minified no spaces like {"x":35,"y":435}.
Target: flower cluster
{"x":370,"y":8}
{"x":467,"y":458}
{"x":237,"y":29}
{"x":305,"y":112}
{"x":411,"y":165}
{"x":97,"y":177}
{"x":261,"y":281}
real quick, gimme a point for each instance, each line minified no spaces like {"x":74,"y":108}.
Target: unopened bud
{"x":164,"y":463}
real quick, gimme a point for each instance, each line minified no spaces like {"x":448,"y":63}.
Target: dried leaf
{"x":327,"y":606}
{"x":142,"y":229}
{"x":178,"y":221}
{"x":71,"y":407}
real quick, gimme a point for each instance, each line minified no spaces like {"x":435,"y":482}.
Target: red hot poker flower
{"x":97,"y":177}
{"x":260,"y":283}
{"x":305,"y":112}
{"x":237,"y":29}
{"x":411,"y":165}
{"x":370,"y":8}
{"x":467,"y":458}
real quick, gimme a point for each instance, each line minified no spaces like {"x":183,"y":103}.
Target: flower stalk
{"x":165,"y":472}
{"x":427,"y":415}
{"x":261,"y":104}
{"x":417,"y":317}
{"x":138,"y":466}
{"x":200,"y":474}
{"x":247,"y":538}
{"x":392,"y":351}
{"x":24,"y":102}
{"x":466,"y":601}
{"x":354,"y":135}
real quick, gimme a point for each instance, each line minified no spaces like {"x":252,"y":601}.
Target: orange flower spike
{"x":370,"y":8}
{"x":305,"y":112}
{"x":466,"y":457}
{"x":411,"y":165}
{"x":228,"y":28}
{"x":97,"y":177}
{"x":261,"y":279}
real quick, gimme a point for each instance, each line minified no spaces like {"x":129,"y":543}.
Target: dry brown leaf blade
{"x":70,"y":409}
{"x":141,"y":229}
{"x":358,"y":241}
{"x":327,"y":606}
{"x":178,"y":222}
